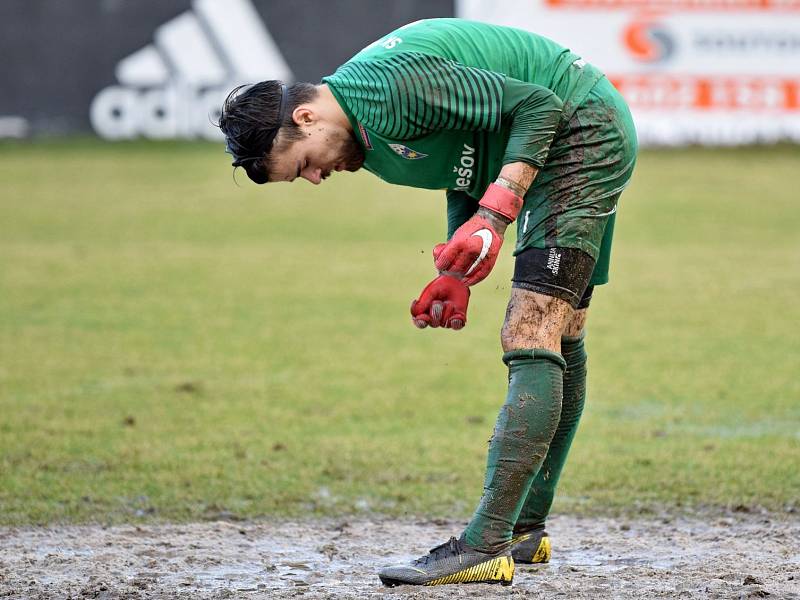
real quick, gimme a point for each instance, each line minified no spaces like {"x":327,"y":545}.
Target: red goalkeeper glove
{"x":443,"y":303}
{"x":473,"y":249}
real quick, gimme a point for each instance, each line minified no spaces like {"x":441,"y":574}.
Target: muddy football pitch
{"x":720,"y":555}
{"x":211,"y":389}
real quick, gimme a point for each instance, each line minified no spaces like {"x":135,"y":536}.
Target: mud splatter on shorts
{"x":573,"y":201}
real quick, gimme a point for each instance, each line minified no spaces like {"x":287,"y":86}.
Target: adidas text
{"x":175,"y":87}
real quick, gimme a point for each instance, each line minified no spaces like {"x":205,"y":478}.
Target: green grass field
{"x":175,"y":347}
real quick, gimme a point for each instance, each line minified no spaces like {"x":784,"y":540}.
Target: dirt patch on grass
{"x":736,"y":555}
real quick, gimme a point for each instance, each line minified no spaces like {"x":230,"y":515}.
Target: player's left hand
{"x":471,"y":252}
{"x":443,"y":303}
{"x":473,"y":249}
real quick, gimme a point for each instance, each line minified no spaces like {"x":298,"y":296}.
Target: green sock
{"x":522,"y":434}
{"x":540,"y":497}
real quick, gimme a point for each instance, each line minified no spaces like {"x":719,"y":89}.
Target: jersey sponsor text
{"x":465,"y":168}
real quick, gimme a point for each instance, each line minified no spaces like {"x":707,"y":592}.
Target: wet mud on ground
{"x":731,"y":555}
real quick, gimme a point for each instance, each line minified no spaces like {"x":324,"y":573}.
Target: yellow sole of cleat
{"x":497,"y":570}
{"x":543,"y":552}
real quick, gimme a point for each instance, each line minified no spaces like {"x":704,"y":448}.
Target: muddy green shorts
{"x":573,"y":201}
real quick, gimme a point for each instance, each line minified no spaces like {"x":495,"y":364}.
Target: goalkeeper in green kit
{"x":514,"y":128}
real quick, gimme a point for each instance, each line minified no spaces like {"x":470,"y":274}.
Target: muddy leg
{"x":540,"y":497}
{"x":531,"y":339}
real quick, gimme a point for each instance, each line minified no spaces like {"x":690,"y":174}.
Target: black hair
{"x":251,"y":117}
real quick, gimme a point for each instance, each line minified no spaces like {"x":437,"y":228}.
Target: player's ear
{"x":303,"y":115}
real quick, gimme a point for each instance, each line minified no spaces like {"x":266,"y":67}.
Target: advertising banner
{"x":175,"y":85}
{"x":719,"y":72}
{"x":128,"y":69}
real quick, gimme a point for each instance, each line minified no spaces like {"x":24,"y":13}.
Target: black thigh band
{"x":560,"y":272}
{"x":586,"y":298}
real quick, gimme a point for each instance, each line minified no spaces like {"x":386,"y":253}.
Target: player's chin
{"x":351,"y":160}
{"x":354,"y":164}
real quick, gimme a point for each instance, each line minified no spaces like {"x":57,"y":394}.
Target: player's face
{"x":322,"y":150}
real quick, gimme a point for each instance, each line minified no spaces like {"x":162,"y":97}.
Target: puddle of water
{"x":603,"y":563}
{"x":42,"y":552}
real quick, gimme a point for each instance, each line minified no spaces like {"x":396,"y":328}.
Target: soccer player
{"x":515,"y":128}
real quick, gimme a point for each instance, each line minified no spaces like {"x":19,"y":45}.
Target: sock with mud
{"x":540,"y":497}
{"x":525,"y":426}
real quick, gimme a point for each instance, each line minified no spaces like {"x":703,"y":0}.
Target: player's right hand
{"x":443,"y":303}
{"x":471,"y":252}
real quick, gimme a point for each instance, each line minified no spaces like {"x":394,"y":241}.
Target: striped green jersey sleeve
{"x":460,"y":207}
{"x":411,"y":94}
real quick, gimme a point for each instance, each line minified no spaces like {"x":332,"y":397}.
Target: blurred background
{"x":179,"y":344}
{"x":711,"y":71}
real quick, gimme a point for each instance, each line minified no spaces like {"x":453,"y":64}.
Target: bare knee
{"x":576,"y":323}
{"x":534,"y":320}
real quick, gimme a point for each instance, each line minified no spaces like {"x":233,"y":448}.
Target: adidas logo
{"x":554,"y":261}
{"x":174,"y":88}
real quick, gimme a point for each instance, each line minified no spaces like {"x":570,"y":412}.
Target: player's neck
{"x":329,"y":108}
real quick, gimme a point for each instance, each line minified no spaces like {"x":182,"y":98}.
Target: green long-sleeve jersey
{"x":445,"y":103}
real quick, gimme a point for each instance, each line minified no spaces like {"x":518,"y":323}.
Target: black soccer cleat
{"x":531,"y":547}
{"x":452,"y":562}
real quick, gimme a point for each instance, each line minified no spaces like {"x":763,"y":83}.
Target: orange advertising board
{"x":693,"y":71}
